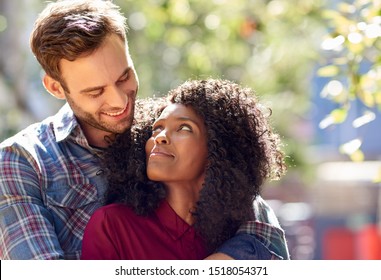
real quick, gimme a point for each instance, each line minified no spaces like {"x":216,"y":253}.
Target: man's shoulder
{"x":29,"y":136}
{"x":39,"y":134}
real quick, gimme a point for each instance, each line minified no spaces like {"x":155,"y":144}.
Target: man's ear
{"x":53,"y":87}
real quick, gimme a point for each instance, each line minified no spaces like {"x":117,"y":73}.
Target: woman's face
{"x":177,"y":149}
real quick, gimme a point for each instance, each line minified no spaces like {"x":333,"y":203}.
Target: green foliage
{"x":270,"y":46}
{"x":353,"y":62}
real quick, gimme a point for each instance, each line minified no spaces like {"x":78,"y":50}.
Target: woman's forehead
{"x":178,"y":111}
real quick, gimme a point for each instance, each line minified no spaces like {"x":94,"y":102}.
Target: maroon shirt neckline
{"x":175,"y":226}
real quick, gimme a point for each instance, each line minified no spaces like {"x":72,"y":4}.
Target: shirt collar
{"x":173,"y":224}
{"x":64,"y":122}
{"x":66,"y":126}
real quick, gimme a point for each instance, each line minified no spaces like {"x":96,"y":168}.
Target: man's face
{"x":102,"y":89}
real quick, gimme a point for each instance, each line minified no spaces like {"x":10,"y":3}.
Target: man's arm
{"x":264,"y":230}
{"x":260,"y":239}
{"x":26,"y":226}
{"x":243,"y":247}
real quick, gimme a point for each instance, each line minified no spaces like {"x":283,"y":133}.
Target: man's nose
{"x":116,"y":98}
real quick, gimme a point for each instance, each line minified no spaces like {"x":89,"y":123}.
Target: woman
{"x":184,"y":179}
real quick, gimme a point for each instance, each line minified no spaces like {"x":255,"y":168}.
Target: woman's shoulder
{"x":112,"y":209}
{"x":113,"y":217}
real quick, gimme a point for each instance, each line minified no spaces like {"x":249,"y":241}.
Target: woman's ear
{"x":53,"y":87}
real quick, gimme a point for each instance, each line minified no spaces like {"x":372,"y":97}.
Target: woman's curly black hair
{"x":243,"y":151}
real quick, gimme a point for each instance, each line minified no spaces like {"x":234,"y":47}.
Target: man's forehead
{"x":100,"y":68}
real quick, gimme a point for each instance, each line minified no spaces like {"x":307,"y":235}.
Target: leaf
{"x":326,"y":122}
{"x":328,"y":71}
{"x":346,"y":8}
{"x":333,"y":90}
{"x":330,"y":14}
{"x":367,"y":117}
{"x":367,"y":98}
{"x":350,"y":147}
{"x":339,"y":115}
{"x":356,"y":48}
{"x":357,"y":156}
{"x":377,"y":98}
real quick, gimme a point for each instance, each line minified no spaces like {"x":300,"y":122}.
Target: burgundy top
{"x":115,"y":232}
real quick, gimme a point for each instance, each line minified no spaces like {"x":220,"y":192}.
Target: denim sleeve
{"x":245,"y":247}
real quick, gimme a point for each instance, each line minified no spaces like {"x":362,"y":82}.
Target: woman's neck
{"x":183,"y":200}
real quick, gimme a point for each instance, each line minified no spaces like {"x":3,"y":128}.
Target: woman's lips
{"x":157,"y":152}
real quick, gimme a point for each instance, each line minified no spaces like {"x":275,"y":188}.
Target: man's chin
{"x":118,"y":129}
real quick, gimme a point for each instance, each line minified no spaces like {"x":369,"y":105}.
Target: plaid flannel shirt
{"x":50,"y":184}
{"x":262,"y":238}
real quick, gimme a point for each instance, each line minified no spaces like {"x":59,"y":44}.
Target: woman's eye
{"x":185,"y":128}
{"x":156,"y":129}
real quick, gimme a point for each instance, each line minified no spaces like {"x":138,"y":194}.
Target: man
{"x":50,"y":176}
{"x":51,"y":181}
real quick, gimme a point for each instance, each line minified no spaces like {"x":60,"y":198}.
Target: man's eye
{"x":124,"y":78}
{"x":96,"y":94}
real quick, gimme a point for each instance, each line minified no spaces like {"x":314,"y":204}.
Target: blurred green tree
{"x":271,"y":46}
{"x":352,"y":62}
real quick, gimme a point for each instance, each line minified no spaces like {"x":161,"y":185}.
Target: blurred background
{"x":316,"y":63}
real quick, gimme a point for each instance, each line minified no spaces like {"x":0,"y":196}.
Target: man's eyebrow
{"x":90,"y":89}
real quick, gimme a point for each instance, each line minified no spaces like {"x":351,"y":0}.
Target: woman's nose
{"x":162,"y":138}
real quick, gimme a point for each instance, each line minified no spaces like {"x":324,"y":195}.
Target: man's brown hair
{"x":70,"y":29}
